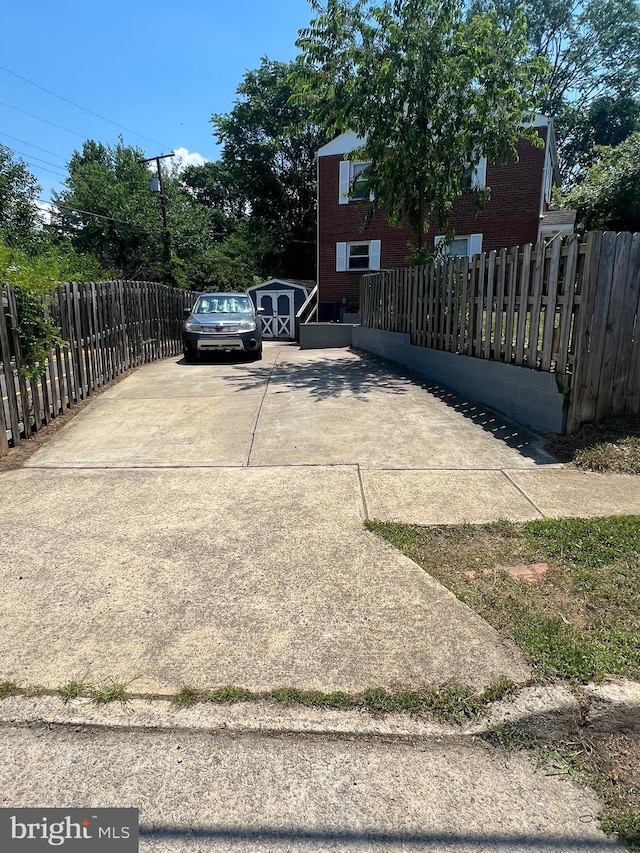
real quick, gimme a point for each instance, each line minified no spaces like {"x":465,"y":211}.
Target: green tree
{"x":19,"y":221}
{"x":607,"y":121}
{"x":269,"y":145}
{"x":108,"y":210}
{"x":592,"y":49}
{"x":609,"y":197}
{"x":428,"y":90}
{"x":34,"y":273}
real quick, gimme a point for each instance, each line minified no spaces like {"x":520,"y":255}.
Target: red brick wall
{"x":510,"y":218}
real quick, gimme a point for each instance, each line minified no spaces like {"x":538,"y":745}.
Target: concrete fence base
{"x":321,"y":335}
{"x":530,"y":397}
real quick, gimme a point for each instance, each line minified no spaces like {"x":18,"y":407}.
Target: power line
{"x":33,"y":157}
{"x":44,"y":169}
{"x":64,"y":206}
{"x":31,"y":145}
{"x":45,"y":120}
{"x":80,"y":107}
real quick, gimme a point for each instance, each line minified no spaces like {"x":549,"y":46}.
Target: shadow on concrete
{"x":326,"y":378}
{"x":345,"y":838}
{"x":219,"y":358}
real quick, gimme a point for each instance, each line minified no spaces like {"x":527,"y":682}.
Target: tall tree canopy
{"x":429,"y":89}
{"x":109,"y":211}
{"x":107,"y":208}
{"x":609,"y":197}
{"x":18,"y":201}
{"x":592,"y":48}
{"x":268,"y":155}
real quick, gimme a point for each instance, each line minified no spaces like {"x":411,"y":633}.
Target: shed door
{"x":278,"y":320}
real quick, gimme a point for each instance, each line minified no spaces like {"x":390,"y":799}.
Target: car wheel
{"x":257,"y":356}
{"x":190,"y":356}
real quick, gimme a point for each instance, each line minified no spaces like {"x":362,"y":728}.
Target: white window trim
{"x":479,"y":177}
{"x":345,"y":179}
{"x":342,"y":255}
{"x":474,"y":243}
{"x":344,"y":182}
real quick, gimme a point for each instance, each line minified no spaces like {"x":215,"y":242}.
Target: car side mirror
{"x":186,"y":312}
{"x":260,"y":311}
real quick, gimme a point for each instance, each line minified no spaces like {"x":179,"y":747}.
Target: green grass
{"x":8,"y":688}
{"x":72,"y":689}
{"x":452,"y":703}
{"x":311,"y":698}
{"x":108,"y":691}
{"x":579,"y":621}
{"x":186,"y":696}
{"x":230,"y":694}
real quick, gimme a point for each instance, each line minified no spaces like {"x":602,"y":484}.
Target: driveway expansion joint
{"x":363,"y":495}
{"x":543,"y":711}
{"x":254,"y":427}
{"x":523,"y":493}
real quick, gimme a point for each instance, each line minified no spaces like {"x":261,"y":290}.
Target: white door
{"x":278,"y":320}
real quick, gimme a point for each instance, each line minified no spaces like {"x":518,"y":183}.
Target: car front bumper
{"x":221,"y":342}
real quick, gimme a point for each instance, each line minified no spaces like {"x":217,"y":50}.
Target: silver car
{"x":222,"y":322}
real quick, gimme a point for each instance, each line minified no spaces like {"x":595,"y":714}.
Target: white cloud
{"x":45,"y":209}
{"x":184,"y":157}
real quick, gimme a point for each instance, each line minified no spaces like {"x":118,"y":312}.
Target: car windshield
{"x":223,"y":305}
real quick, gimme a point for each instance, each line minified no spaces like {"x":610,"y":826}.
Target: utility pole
{"x":166,"y":238}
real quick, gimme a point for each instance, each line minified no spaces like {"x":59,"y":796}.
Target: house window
{"x":351,"y":184}
{"x":356,"y":257}
{"x":358,"y":181}
{"x":462,"y":247}
{"x":475,"y":177}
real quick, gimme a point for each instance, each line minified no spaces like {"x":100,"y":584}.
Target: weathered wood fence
{"x":564,"y":306}
{"x":108,"y":327}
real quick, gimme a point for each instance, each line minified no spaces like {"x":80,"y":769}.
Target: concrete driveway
{"x":202,"y":525}
{"x":318,"y":407}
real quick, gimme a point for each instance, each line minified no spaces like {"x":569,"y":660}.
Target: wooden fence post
{"x":622,"y":313}
{"x":578,"y":403}
{"x":22,"y":384}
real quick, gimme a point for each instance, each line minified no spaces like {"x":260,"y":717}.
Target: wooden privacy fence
{"x":564,"y":306}
{"x":107,"y":327}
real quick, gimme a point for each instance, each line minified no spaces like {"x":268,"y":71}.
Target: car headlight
{"x":247,"y":326}
{"x":192,"y":326}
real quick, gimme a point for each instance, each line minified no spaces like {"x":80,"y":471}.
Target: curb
{"x":544,"y":712}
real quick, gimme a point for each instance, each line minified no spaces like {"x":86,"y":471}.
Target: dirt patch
{"x":612,"y":446}
{"x":617,"y":757}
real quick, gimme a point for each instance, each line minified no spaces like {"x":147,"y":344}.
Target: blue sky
{"x":159,"y":69}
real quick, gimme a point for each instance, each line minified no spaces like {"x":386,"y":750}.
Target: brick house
{"x":515,"y":214}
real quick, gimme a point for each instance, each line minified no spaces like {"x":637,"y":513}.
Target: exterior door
{"x":278,"y":320}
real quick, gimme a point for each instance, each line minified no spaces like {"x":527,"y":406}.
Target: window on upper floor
{"x":351,"y":181}
{"x":357,"y":257}
{"x":475,"y":177}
